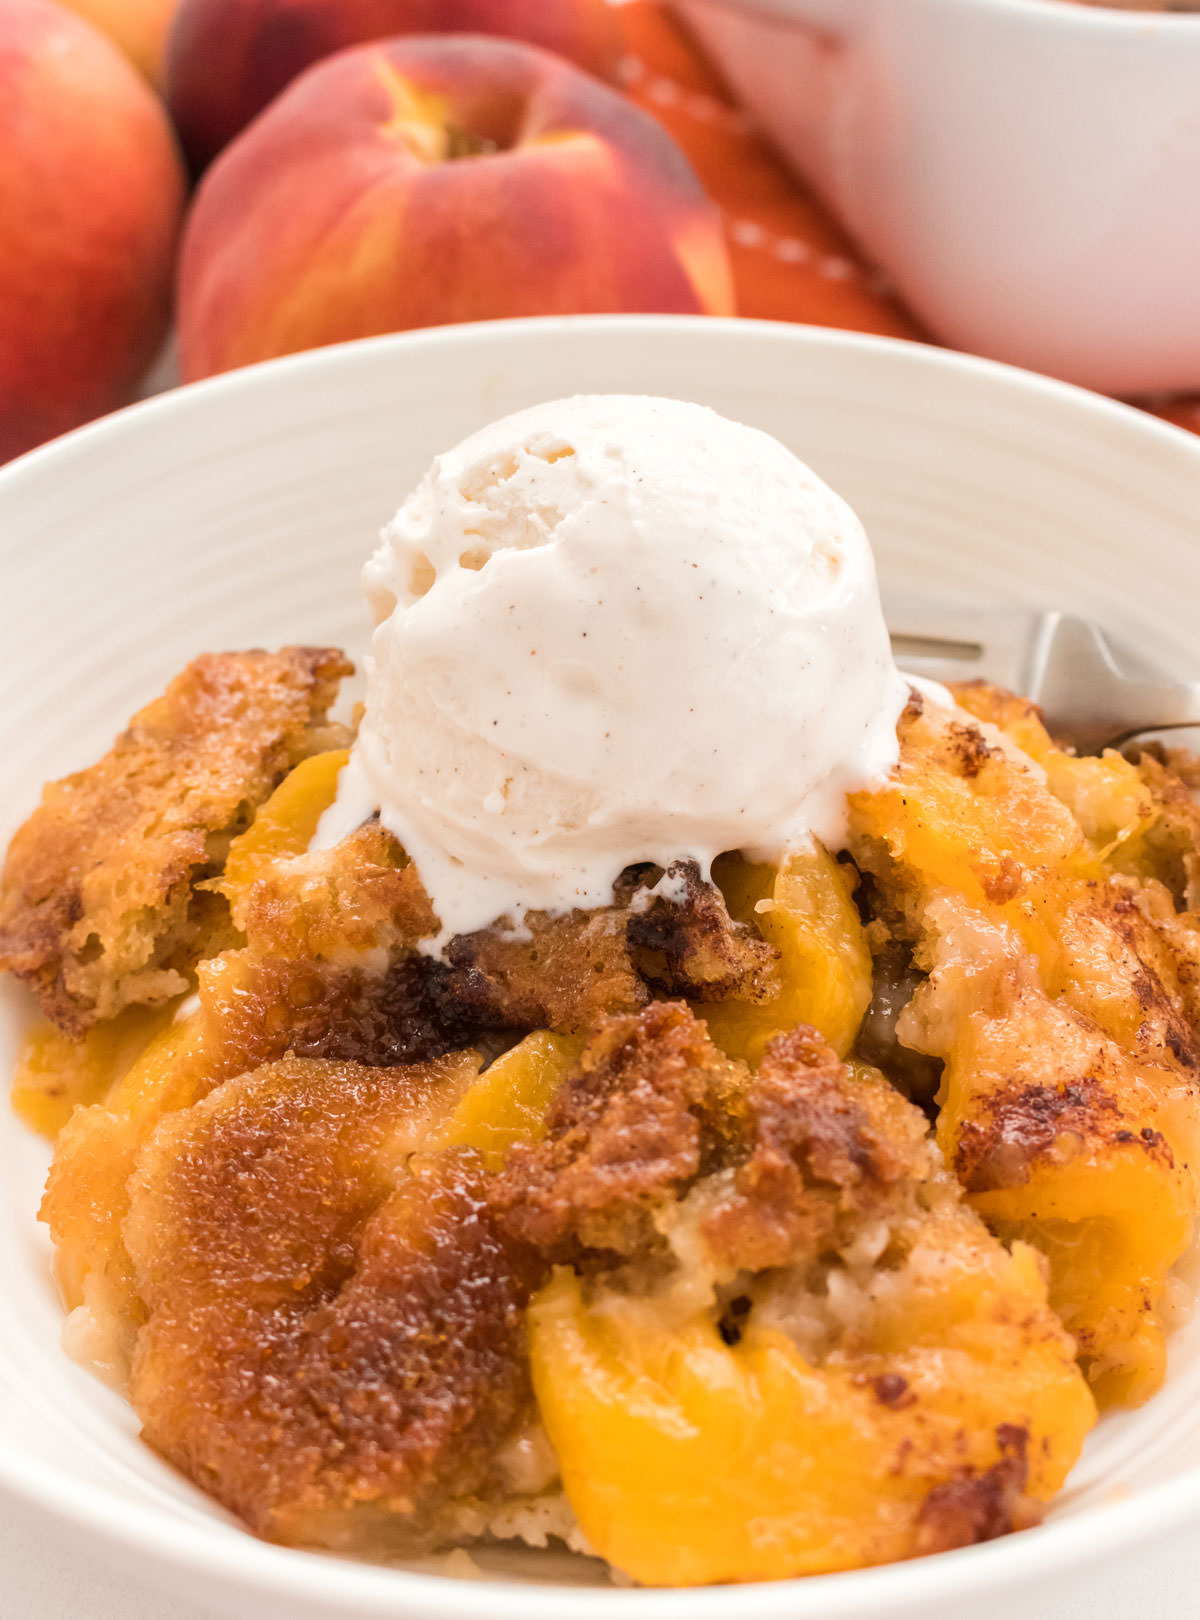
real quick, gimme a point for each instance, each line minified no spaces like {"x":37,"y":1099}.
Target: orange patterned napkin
{"x":791,"y":260}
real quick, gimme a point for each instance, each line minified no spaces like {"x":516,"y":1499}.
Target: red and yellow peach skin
{"x":91,"y":191}
{"x":228,"y":58}
{"x":435,"y":180}
{"x":139,"y":27}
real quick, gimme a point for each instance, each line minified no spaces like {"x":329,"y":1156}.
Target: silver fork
{"x":1066,"y":665}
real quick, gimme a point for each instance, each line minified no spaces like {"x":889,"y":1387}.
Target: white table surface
{"x":43,"y":1579}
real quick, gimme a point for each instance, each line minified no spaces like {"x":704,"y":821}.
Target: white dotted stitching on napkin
{"x":746,"y":233}
{"x":665,"y":92}
{"x":793,"y":250}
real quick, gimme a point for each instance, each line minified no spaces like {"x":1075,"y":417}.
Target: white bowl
{"x":237,"y":512}
{"x":1025,"y":170}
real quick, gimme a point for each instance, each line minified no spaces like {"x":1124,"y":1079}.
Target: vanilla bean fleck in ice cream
{"x":615,"y":629}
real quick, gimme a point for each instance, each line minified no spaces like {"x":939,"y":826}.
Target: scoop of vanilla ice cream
{"x":617,"y":629}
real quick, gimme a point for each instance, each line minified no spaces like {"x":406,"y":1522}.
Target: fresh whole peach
{"x":91,"y":192}
{"x":430,"y":180}
{"x":139,"y":27}
{"x":228,"y":58}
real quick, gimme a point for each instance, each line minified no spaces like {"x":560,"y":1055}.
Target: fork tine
{"x":965,"y":644}
{"x":1065,"y":664}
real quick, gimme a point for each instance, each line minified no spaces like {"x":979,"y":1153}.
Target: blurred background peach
{"x":330,"y":201}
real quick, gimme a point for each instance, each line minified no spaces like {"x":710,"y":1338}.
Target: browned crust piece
{"x":1171,"y":847}
{"x":692,"y":946}
{"x":819,"y":1160}
{"x":995,"y":704}
{"x":98,"y":906}
{"x":335,"y":1344}
{"x":311,"y":922}
{"x":361,"y":895}
{"x":330,"y":970}
{"x":981,"y":1506}
{"x":563,"y":973}
{"x":1062,"y":1089}
{"x":654,"y":1106}
{"x":651,"y":1107}
{"x":331,"y":966}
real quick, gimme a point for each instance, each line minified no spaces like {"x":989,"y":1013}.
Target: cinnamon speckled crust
{"x":335,"y":1344}
{"x":651,"y":1106}
{"x":1173,"y":843}
{"x":1047,"y":1084}
{"x":997,"y":705}
{"x":326,"y":1309}
{"x":331,"y":1333}
{"x":824,"y":1152}
{"x":330,"y":969}
{"x":1028,"y":1121}
{"x":360,"y":895}
{"x":691,"y":946}
{"x":1046,"y":897}
{"x":563,"y":973}
{"x":559,"y":973}
{"x":98,"y":900}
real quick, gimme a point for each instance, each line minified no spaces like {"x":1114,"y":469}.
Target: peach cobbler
{"x":774,"y":1211}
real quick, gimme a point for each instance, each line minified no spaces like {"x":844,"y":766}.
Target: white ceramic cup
{"x":1027,"y":171}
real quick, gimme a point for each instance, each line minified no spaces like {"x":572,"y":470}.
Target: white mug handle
{"x":830,"y":16}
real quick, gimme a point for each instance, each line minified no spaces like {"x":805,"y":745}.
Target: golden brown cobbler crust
{"x":326,"y":1312}
{"x":346,"y":1371}
{"x":98,"y":906}
{"x":651,"y":1105}
{"x":339,"y":1371}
